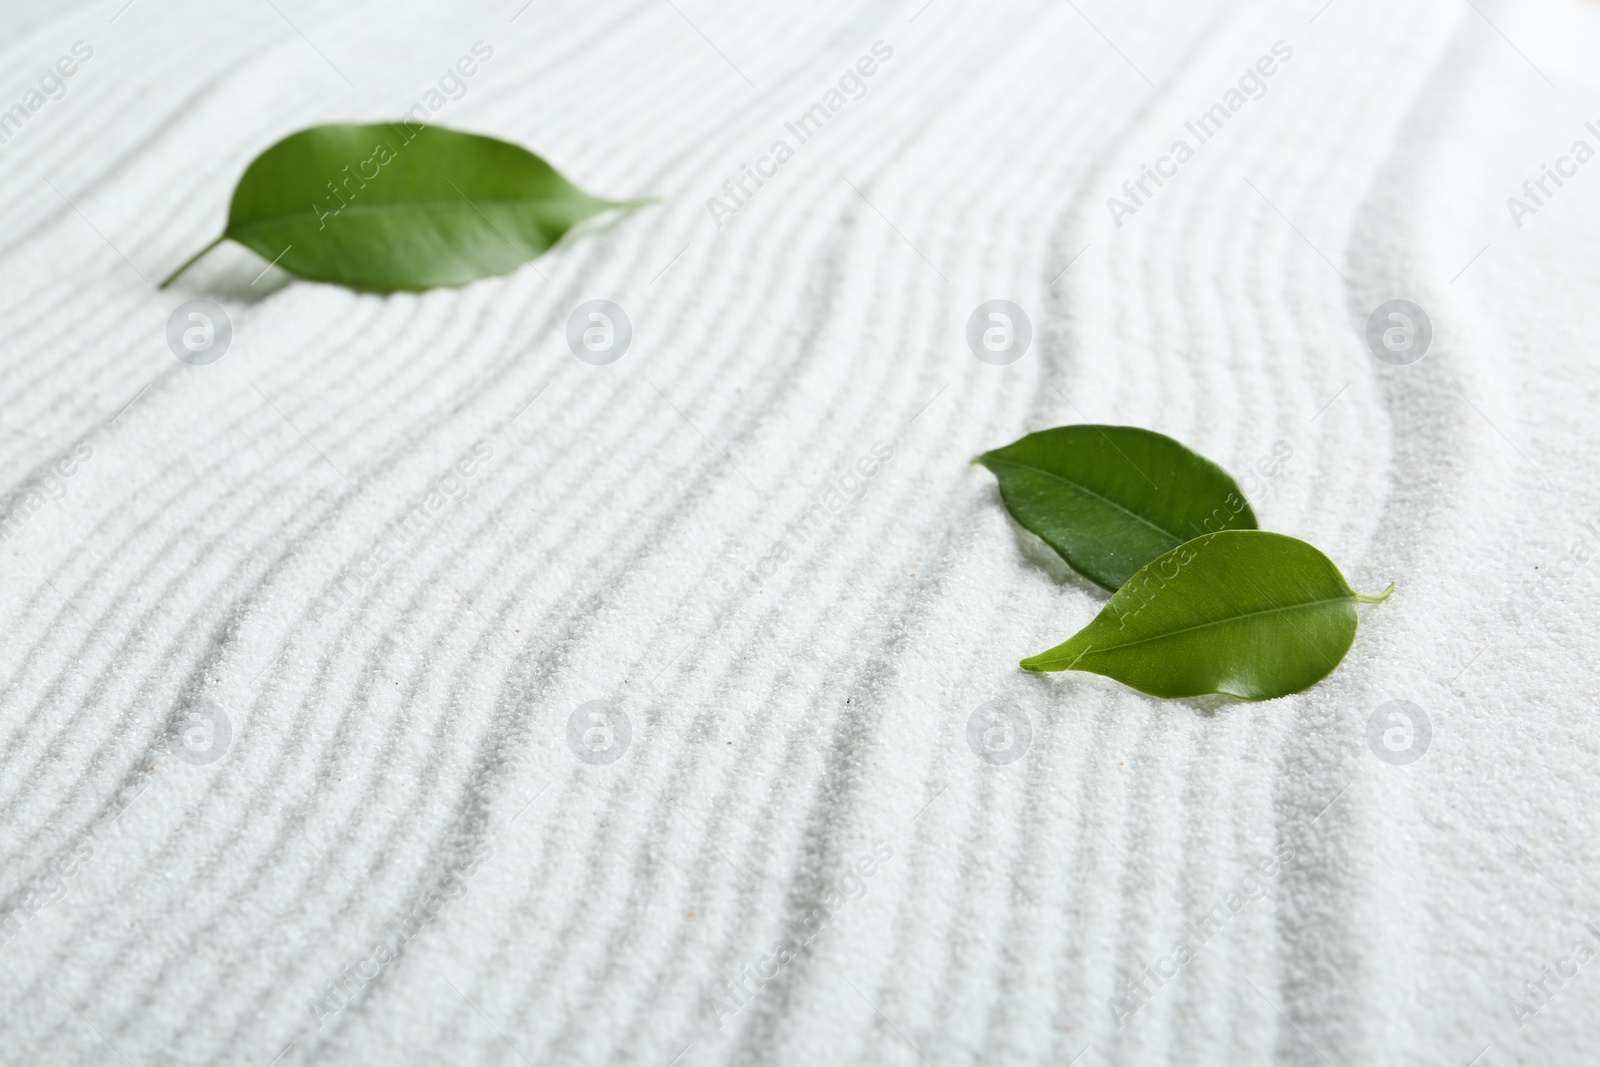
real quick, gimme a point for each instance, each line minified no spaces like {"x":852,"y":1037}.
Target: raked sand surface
{"x":383,"y":752}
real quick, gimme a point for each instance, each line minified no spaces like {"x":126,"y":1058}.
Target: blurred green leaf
{"x":399,"y":206}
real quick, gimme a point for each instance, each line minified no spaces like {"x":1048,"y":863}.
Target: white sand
{"x":414,"y":742}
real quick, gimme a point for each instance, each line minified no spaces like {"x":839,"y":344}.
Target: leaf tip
{"x":1045,"y":663}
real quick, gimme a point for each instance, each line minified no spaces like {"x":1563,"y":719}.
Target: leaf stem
{"x":191,"y":261}
{"x":1379,"y":599}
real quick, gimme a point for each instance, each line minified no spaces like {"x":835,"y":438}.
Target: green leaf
{"x":400,"y":206}
{"x":1110,"y":499}
{"x":1245,"y":613}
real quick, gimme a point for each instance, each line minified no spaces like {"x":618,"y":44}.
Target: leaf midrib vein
{"x":395,"y":205}
{"x":1222,"y":622}
{"x":1176,"y":538}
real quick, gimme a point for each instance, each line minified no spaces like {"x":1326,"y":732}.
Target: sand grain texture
{"x":792,"y":707}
